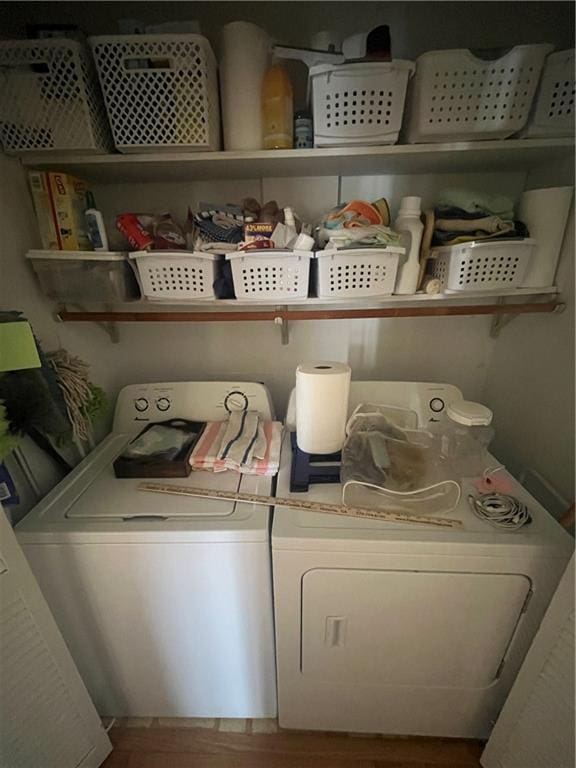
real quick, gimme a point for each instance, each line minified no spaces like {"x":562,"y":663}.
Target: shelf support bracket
{"x":110,"y":328}
{"x":282,"y":323}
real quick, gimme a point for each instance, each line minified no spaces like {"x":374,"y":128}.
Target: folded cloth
{"x":456,"y":225}
{"x":477,"y":203}
{"x":488,"y":224}
{"x":250,"y":446}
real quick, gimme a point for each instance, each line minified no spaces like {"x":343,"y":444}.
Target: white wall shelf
{"x":468,"y":157}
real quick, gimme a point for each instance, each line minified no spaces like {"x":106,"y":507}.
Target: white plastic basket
{"x":357,"y":272}
{"x":161,"y":91}
{"x":85,"y":276}
{"x":50,"y":98}
{"x":270,"y":275}
{"x":176,"y":275}
{"x":358,"y":103}
{"x":456,"y":96}
{"x":553,"y":111}
{"x":482,"y":266}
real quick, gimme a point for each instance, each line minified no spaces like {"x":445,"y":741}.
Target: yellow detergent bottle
{"x":277,"y":109}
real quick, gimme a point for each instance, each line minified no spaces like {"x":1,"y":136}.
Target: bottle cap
{"x":469,"y":414}
{"x":410,"y":204}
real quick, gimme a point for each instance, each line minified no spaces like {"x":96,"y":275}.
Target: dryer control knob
{"x":163,"y":404}
{"x":437,"y":404}
{"x":141,"y":404}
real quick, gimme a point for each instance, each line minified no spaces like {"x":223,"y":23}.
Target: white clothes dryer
{"x":400,"y":628}
{"x":165,"y":602}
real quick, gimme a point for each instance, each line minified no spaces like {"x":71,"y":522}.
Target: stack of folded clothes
{"x":245,"y":443}
{"x":461,"y":216}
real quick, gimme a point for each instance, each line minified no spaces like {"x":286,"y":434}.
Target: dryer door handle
{"x":335,"y":631}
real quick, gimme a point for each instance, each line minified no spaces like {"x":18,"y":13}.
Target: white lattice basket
{"x":270,"y":275}
{"x":482,"y":266}
{"x":358,"y":103}
{"x":553,"y":111}
{"x":456,"y":96}
{"x":161,"y":91}
{"x":50,"y":98}
{"x":176,"y":275}
{"x":357,"y":272}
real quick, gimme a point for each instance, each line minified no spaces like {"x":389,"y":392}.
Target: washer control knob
{"x":141,"y":404}
{"x":437,"y":404}
{"x":163,"y":404}
{"x":236,"y":401}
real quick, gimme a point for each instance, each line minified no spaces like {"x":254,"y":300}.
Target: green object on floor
{"x":18,"y":349}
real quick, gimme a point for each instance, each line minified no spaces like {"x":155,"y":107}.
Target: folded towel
{"x":245,"y":443}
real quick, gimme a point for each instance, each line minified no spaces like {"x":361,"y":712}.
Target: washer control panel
{"x":141,"y":404}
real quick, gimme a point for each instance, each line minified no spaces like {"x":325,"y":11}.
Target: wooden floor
{"x":261,"y":744}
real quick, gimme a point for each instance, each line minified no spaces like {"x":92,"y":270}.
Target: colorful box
{"x":68,"y":200}
{"x":41,"y":197}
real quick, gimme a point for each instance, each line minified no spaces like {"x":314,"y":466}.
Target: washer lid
{"x":111,"y":498}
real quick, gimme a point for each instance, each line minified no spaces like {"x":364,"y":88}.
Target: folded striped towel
{"x":245,"y":443}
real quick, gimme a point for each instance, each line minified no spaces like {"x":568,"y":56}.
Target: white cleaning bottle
{"x":408,"y":225}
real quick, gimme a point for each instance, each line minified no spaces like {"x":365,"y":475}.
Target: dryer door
{"x":408,"y":628}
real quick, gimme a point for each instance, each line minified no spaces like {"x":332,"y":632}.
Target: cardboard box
{"x":68,"y":200}
{"x":41,"y":197}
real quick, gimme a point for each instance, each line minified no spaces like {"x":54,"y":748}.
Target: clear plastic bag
{"x":159,"y":441}
{"x":384,"y":465}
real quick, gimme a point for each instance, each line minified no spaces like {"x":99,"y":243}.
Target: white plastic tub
{"x":270,"y":275}
{"x":553,"y":111}
{"x":456,"y":96}
{"x":85,"y":276}
{"x":176,"y":275}
{"x":50,"y":98}
{"x":357,"y":272}
{"x":482,"y":266}
{"x":161,"y":91}
{"x":358,"y":104}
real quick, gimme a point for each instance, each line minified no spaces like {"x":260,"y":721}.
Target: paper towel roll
{"x":244,"y":60}
{"x":322,"y":406}
{"x":545,"y":213}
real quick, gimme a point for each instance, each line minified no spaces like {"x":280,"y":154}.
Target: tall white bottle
{"x":408,"y":224}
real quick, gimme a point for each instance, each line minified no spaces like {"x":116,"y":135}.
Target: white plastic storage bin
{"x":176,"y":275}
{"x":553,"y":110}
{"x":358,"y":104}
{"x":482,"y":266}
{"x":84,"y":276}
{"x":270,"y":275}
{"x":161,"y":91}
{"x":357,"y":272}
{"x":456,"y":96}
{"x":50,"y":98}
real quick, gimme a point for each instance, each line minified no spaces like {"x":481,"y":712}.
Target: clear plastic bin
{"x":84,"y":276}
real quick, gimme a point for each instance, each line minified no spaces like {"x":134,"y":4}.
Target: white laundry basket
{"x":456,"y":96}
{"x":482,"y":266}
{"x":358,"y":104}
{"x":50,"y":98}
{"x":176,"y":275}
{"x":553,"y":110}
{"x":270,"y":275}
{"x":161,"y":91}
{"x":357,"y":272}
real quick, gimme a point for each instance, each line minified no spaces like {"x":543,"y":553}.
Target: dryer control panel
{"x":140,"y":404}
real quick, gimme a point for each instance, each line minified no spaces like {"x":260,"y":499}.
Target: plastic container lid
{"x":469,"y":414}
{"x":410,"y":205}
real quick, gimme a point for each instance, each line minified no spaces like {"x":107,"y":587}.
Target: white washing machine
{"x":405,"y":629}
{"x":165,"y":602}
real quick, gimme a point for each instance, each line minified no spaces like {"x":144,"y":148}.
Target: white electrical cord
{"x":499,"y":510}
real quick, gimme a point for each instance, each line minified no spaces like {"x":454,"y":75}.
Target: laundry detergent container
{"x":457,"y":95}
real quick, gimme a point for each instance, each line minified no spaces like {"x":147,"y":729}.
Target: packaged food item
{"x":257,"y":230}
{"x":168,"y":236}
{"x":131,"y":227}
{"x":40,"y":190}
{"x":68,"y":202}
